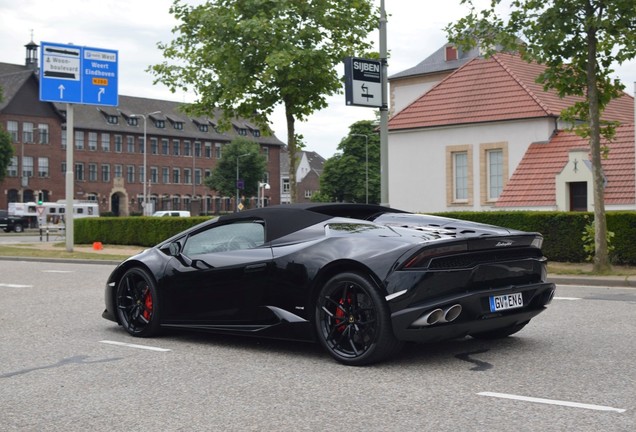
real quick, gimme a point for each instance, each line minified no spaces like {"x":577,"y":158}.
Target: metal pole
{"x":145,"y":197}
{"x":68,"y":215}
{"x":384,"y":114}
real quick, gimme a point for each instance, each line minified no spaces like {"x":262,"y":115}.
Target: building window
{"x":43,"y":133}
{"x":176,"y":147}
{"x":130,"y":173}
{"x":208,"y":150}
{"x":256,"y":133}
{"x":176,"y":173}
{"x":203,"y":127}
{"x":118,"y":143}
{"x":459,"y":183}
{"x":187,"y":176}
{"x":197,"y":148}
{"x":12,"y":128}
{"x":106,"y":173}
{"x":43,"y":167}
{"x":142,"y":174}
{"x":140,"y":143}
{"x":286,"y":186}
{"x":27,"y":132}
{"x":79,"y":140}
{"x":178,"y":125}
{"x":197,"y":176}
{"x":308,"y":194}
{"x":130,"y":144}
{"x":79,"y":172}
{"x":154,"y":146}
{"x":154,"y":175}
{"x":266,"y":153}
{"x":176,"y":203}
{"x":105,"y":142}
{"x":207,"y":173}
{"x":27,"y":166}
{"x":493,"y":171}
{"x":160,"y":124}
{"x":219,"y":150}
{"x":92,"y":141}
{"x":132,"y":121}
{"x":165,"y":175}
{"x":165,"y":146}
{"x":92,"y":172}
{"x":119,"y":171}
{"x":112,"y":119}
{"x":187,"y":148}
{"x":63,"y":140}
{"x":12,"y":169}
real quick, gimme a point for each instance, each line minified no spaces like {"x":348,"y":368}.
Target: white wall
{"x":417,"y":160}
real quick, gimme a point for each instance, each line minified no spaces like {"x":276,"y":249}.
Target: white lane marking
{"x":145,"y":347}
{"x":566,"y":298}
{"x":551,"y":402}
{"x":4,"y":285}
{"x":57,"y":271}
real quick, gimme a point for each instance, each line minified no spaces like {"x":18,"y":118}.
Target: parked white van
{"x":175,"y":213}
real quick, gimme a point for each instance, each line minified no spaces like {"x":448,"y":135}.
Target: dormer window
{"x":132,"y":121}
{"x":256,"y":133}
{"x":242,"y":131}
{"x":178,"y":125}
{"x":203,"y":128}
{"x":451,"y":53}
{"x":161,"y":124}
{"x":112,"y":119}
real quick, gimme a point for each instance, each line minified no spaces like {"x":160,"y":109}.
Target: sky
{"x":134,"y":27}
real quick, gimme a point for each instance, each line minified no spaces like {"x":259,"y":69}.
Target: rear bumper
{"x":475,"y":316}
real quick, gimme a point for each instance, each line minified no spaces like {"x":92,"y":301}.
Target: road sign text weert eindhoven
{"x":77,"y":74}
{"x":363,"y":82}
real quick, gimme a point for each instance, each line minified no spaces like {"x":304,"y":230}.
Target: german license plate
{"x":505,"y":302}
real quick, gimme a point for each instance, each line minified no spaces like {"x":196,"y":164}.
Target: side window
{"x":235,"y":236}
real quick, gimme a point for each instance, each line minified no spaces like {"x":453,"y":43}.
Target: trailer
{"x":51,"y":214}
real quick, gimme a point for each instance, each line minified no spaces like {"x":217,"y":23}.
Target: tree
{"x":344,"y":177}
{"x":6,"y":149}
{"x":252,"y":167}
{"x":247,"y":56}
{"x":578,"y":41}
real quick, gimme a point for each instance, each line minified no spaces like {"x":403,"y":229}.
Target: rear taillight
{"x":422,"y":258}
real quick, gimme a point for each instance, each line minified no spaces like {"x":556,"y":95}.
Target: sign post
{"x":363,"y":82}
{"x":74,"y":74}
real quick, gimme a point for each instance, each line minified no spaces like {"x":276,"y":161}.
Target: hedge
{"x":562,"y":232}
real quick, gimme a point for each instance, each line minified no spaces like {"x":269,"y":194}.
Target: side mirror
{"x":174,"y":249}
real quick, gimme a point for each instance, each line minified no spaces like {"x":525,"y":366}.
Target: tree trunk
{"x":601,"y":255}
{"x":291,"y":149}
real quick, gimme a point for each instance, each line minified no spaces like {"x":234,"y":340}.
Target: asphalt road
{"x":64,"y":368}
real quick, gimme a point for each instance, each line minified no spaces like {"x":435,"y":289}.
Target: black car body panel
{"x":266,"y":281}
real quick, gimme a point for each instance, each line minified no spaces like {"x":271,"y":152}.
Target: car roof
{"x":284,"y":219}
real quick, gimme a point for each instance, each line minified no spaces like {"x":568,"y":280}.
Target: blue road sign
{"x":75,"y":74}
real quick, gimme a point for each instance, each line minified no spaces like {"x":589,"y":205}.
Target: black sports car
{"x":361,"y":279}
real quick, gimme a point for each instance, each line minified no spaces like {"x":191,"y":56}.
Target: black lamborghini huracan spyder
{"x":361,"y":279}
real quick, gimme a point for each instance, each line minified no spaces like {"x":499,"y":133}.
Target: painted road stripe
{"x":145,"y":347}
{"x":58,"y":271}
{"x":3,"y":285}
{"x":551,"y":402}
{"x":566,"y":298}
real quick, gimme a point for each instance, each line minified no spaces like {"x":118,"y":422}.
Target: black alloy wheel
{"x":352,"y":321}
{"x":137,"y":303}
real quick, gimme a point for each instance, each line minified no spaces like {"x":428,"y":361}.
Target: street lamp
{"x":237,"y":181}
{"x":145,"y":196}
{"x":262,"y":186}
{"x":366,"y":146}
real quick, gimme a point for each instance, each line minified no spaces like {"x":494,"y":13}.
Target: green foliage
{"x":139,"y":230}
{"x":246,"y":57}
{"x":589,"y":245}
{"x":251,"y":168}
{"x":344,"y":176}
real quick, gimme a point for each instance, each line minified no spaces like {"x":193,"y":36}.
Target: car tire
{"x":137,"y":303}
{"x":352,"y":321}
{"x":500,"y":333}
{"x":18,"y":228}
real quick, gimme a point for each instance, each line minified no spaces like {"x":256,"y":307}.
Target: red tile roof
{"x":533,"y":183}
{"x":500,"y":88}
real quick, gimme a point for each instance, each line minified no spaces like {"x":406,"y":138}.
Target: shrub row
{"x":562,"y":232}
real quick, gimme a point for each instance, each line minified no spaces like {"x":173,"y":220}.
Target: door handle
{"x":255,"y":267}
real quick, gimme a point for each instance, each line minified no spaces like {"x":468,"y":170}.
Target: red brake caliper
{"x":147,"y":305}
{"x":340,"y":314}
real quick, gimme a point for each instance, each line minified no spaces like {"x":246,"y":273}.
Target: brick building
{"x":109,"y":150}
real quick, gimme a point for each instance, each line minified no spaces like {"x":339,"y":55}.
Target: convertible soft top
{"x":281,"y":220}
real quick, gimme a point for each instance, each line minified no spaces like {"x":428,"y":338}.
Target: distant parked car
{"x":175,"y":213}
{"x":12,"y":223}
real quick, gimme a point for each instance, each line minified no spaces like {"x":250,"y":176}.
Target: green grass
{"x":16,"y":250}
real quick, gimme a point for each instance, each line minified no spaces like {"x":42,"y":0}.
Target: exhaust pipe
{"x":429,"y":318}
{"x":451,"y":313}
